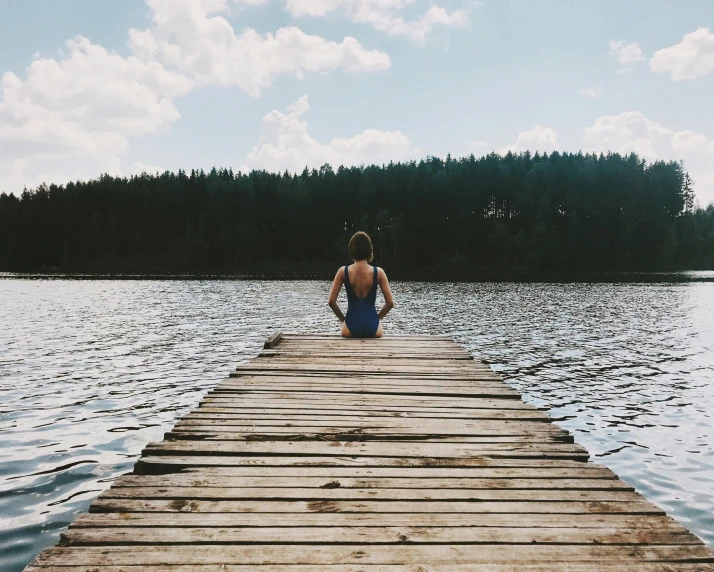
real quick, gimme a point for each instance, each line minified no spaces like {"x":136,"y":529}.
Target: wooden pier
{"x":400,"y":454}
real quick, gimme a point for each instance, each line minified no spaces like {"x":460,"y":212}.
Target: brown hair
{"x":361,"y":247}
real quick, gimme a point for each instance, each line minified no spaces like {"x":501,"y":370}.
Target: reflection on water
{"x":90,"y":371}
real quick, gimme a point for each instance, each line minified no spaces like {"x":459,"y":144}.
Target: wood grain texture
{"x":606,"y":566}
{"x":396,"y":455}
{"x":397,"y":553}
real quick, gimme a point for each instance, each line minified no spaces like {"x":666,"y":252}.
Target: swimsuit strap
{"x":374,"y":282}
{"x":347,"y":279}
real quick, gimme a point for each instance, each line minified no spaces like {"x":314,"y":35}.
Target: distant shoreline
{"x":563,"y":217}
{"x":430,"y":277}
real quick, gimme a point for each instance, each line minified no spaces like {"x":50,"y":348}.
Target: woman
{"x":360,"y":280}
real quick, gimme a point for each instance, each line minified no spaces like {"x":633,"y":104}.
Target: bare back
{"x":361,"y":277}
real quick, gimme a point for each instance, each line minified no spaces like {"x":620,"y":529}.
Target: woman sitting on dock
{"x":360,"y":280}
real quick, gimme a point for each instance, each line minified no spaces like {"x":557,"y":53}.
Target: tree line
{"x":433,"y":218}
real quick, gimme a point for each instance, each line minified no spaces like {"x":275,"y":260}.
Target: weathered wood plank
{"x":639,"y":506}
{"x":445,"y":382}
{"x":428,"y":340}
{"x":330,"y":519}
{"x":485,"y":392}
{"x":400,"y":454}
{"x":341,"y":365}
{"x":262,"y":436}
{"x":219,"y":416}
{"x":414,"y":355}
{"x":414,"y":554}
{"x":337,"y":434}
{"x":342,"y":460}
{"x":411,"y":344}
{"x":383,"y":345}
{"x":376,"y":494}
{"x":344,"y":404}
{"x":482,"y":391}
{"x":234,"y":414}
{"x":373,"y":367}
{"x":340,"y":354}
{"x":487,"y":425}
{"x":494,"y":427}
{"x":386,"y":401}
{"x":536,"y":422}
{"x":380,"y":535}
{"x":470,"y":483}
{"x":534,"y":470}
{"x":336,"y":337}
{"x":360,"y":381}
{"x":356,"y":429}
{"x":370,"y":449}
{"x":362,"y":369}
{"x":273,"y":340}
{"x":473,"y":567}
{"x":237,"y":410}
{"x":433,"y":401}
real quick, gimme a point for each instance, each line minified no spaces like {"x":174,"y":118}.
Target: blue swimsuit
{"x":361,"y":319}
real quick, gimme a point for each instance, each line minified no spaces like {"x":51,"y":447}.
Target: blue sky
{"x":93,"y":86}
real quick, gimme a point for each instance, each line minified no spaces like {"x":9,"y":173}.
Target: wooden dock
{"x":400,"y":454}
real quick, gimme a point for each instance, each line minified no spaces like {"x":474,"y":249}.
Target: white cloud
{"x":17,"y":174}
{"x":626,"y":54}
{"x":187,"y":36}
{"x":591,"y":92}
{"x":12,"y":175}
{"x":286,"y":144}
{"x":383,"y":15}
{"x":84,"y":105}
{"x":692,"y":58}
{"x":633,"y":132}
{"x":312,"y":8}
{"x":542,"y":139}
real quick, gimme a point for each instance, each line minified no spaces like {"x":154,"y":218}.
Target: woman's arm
{"x":335,"y":291}
{"x":388,"y":299}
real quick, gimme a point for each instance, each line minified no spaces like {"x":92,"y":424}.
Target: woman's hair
{"x":361,"y":247}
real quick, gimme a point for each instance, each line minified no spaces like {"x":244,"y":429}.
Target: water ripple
{"x":90,"y":371}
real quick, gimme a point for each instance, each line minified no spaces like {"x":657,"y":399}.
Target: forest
{"x":432,"y":219}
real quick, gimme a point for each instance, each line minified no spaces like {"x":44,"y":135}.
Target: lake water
{"x":92,"y":370}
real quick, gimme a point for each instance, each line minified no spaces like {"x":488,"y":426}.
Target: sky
{"x":122,"y":87}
